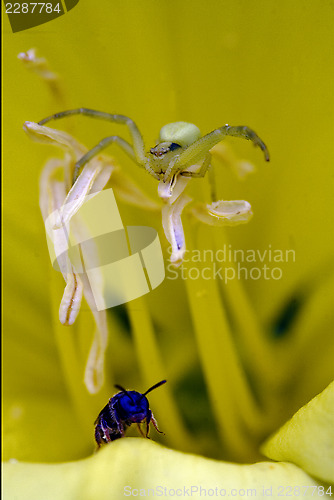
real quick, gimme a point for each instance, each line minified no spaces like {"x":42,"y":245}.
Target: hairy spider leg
{"x":136,"y":152}
{"x":202,"y":171}
{"x":138,"y":143}
{"x":199,"y":148}
{"x":127,"y":148}
{"x":212,"y":184}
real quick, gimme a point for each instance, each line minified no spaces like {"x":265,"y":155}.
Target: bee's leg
{"x":155,"y":423}
{"x":98,"y":436}
{"x":140,"y":429}
{"x":121,"y":425}
{"x":106,"y":432}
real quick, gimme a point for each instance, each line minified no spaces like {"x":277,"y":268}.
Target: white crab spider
{"x":180,"y":146}
{"x":180,"y":155}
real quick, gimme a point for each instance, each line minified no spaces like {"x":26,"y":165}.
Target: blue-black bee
{"x":122,"y":410}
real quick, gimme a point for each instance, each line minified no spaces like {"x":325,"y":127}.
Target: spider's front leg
{"x":136,"y":152}
{"x":202,"y":171}
{"x":202,"y":146}
{"x":127,"y":148}
{"x":138,"y":143}
{"x":246,"y":133}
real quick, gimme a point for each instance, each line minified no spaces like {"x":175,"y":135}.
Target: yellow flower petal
{"x":308,"y":438}
{"x":238,"y":73}
{"x":133,"y":466}
{"x":35,"y":426}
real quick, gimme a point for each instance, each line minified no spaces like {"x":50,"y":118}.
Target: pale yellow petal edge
{"x":130,"y":464}
{"x":307,"y":439}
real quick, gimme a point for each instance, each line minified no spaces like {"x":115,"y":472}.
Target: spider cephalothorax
{"x":164,"y":147}
{"x":180,"y":147}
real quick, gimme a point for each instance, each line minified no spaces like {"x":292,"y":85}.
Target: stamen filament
{"x":252,"y":336}
{"x":228,"y":388}
{"x":152,"y":368}
{"x":72,"y":365}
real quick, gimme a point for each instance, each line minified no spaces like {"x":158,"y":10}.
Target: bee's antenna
{"x":155,"y":387}
{"x":124,"y":390}
{"x":120,"y":388}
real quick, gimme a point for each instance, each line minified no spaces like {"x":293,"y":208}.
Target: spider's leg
{"x":199,"y":148}
{"x":212,"y":183}
{"x":125,"y":146}
{"x":138,"y":143}
{"x":246,"y":133}
{"x":201,"y":172}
